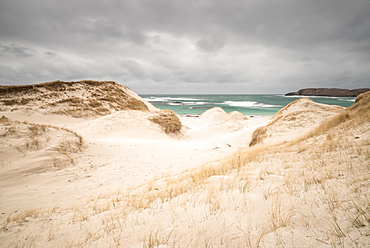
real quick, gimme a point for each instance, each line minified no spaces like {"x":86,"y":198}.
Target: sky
{"x":188,"y":46}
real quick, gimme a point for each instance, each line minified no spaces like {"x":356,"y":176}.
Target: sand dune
{"x":77,"y":99}
{"x":295,"y":119}
{"x":132,"y":178}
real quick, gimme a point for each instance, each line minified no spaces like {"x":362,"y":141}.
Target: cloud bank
{"x":188,"y":46}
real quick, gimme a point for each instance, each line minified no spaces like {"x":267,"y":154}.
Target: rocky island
{"x":328,"y":92}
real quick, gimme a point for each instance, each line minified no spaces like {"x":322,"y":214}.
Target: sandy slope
{"x":121,"y":150}
{"x":294,"y":120}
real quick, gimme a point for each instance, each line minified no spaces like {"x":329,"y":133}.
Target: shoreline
{"x":249,"y":105}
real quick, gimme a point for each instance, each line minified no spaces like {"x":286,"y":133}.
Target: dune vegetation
{"x":168,"y":120}
{"x":78,"y":99}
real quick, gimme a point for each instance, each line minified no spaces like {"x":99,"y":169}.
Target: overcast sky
{"x":188,"y":46}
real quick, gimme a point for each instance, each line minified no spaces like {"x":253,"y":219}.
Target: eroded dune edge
{"x":135,"y":176}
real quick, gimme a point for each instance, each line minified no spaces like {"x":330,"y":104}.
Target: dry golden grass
{"x":54,"y":85}
{"x":77,"y":99}
{"x":168,"y":120}
{"x":297,"y":119}
{"x":357,"y":114}
{"x":19,"y":218}
{"x":26,"y":138}
{"x":258,"y":136}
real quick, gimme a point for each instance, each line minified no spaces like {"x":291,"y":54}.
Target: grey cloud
{"x":17,"y":50}
{"x":50,"y":54}
{"x":165,"y":43}
{"x":134,"y":68}
{"x":211,"y":45}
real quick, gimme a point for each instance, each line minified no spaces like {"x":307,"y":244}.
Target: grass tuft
{"x":168,"y":120}
{"x":258,"y":135}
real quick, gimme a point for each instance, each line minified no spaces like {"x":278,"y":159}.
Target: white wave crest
{"x":247,"y":104}
{"x":186,"y":103}
{"x":347,"y":99}
{"x":183,"y":99}
{"x":168,"y":98}
{"x":157,"y":99}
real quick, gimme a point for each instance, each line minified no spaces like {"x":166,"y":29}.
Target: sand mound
{"x":217,"y":114}
{"x":29,"y":154}
{"x":236,"y":115}
{"x":77,"y":99}
{"x":351,"y":118}
{"x":132,"y":123}
{"x":54,"y":146}
{"x":297,"y":118}
{"x":216,"y":118}
{"x":305,"y":104}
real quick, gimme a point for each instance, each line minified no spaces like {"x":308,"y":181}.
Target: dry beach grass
{"x":168,"y":120}
{"x":78,"y":99}
{"x":311,"y":189}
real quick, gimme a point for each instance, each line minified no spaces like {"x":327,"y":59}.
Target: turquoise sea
{"x":251,"y":105}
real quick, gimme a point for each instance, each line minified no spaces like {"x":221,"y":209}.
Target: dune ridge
{"x":209,"y":189}
{"x":78,"y":99}
{"x":300,"y":116}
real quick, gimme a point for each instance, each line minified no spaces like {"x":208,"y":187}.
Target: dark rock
{"x":328,"y":92}
{"x":292,"y":94}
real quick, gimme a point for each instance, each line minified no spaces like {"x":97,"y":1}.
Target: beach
{"x":150,"y":178}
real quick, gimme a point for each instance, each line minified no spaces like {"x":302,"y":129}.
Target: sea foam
{"x":250,"y":104}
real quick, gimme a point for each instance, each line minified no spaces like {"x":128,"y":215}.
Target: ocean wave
{"x":157,"y":99}
{"x":168,"y":99}
{"x":248,"y":104}
{"x":347,"y":99}
{"x":184,"y":99}
{"x":176,"y":103}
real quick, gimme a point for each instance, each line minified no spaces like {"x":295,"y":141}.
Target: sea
{"x":250,"y":105}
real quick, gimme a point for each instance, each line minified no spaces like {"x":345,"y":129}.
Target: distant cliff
{"x":328,"y":92}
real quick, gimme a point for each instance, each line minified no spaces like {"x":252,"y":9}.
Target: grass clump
{"x":258,"y":135}
{"x":168,"y":120}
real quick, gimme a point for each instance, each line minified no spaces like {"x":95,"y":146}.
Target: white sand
{"x":122,"y":150}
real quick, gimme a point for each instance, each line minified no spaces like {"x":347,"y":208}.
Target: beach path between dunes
{"x":115,"y":157}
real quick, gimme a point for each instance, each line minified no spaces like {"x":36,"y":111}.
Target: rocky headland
{"x":335,"y":92}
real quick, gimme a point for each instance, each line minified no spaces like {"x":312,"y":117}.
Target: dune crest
{"x":132,"y":123}
{"x":295,"y":119}
{"x":303,"y":104}
{"x":78,"y":99}
{"x":218,"y":114}
{"x":217,"y":118}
